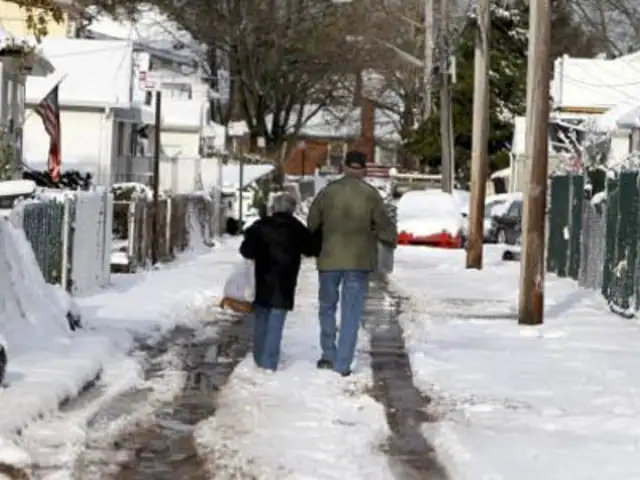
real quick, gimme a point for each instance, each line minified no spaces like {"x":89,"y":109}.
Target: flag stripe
{"x":49,"y":111}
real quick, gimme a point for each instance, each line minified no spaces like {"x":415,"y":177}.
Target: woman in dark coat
{"x":275,"y":244}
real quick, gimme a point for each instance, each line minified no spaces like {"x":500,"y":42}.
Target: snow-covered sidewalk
{"x":298,"y":423}
{"x":47,"y":369}
{"x":559,"y":401}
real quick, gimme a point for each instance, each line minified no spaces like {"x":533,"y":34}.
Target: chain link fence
{"x":594,"y":236}
{"x":67,"y":233}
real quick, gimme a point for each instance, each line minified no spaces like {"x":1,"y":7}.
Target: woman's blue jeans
{"x":268,"y":325}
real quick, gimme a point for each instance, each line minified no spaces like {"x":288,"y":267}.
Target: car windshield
{"x":515,"y":209}
{"x":491,"y":207}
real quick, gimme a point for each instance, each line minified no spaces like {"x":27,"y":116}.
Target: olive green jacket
{"x":353,"y":219}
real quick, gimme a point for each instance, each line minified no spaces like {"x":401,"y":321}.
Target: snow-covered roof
{"x":504,"y":173}
{"x":595,"y":82}
{"x":93,"y":72}
{"x":152,"y":28}
{"x":250,"y":173}
{"x":342,"y":122}
{"x":39,"y":63}
{"x":623,"y":115}
{"x":631,"y":117}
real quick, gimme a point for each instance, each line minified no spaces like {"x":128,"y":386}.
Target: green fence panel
{"x":628,"y":230}
{"x":43,"y":223}
{"x":611,"y":229}
{"x":559,"y":219}
{"x":575,"y":229}
{"x":622,"y":290}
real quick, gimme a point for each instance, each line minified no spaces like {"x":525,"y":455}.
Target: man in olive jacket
{"x":348,"y":218}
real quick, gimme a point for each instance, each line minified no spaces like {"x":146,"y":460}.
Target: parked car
{"x":493,"y":205}
{"x":506,"y":221}
{"x":429,"y":217}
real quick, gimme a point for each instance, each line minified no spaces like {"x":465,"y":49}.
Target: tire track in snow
{"x":118,"y":430}
{"x":165,"y":449}
{"x":405,"y":406}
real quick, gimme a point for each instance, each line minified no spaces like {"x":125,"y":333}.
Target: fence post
{"x":611,"y":231}
{"x":576,"y":202}
{"x":131,"y":236}
{"x":167,"y":227}
{"x":66,"y":232}
{"x":107,"y":237}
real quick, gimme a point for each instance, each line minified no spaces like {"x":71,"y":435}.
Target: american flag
{"x":49,"y":111}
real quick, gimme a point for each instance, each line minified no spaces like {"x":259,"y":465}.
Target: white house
{"x":19,"y":59}
{"x":163,"y":63}
{"x":99,"y":121}
{"x":592,"y":93}
{"x":604,"y":91}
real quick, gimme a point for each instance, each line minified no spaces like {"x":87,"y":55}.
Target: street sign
{"x":150,"y":81}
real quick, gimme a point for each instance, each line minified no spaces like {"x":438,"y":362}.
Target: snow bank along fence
{"x":594,"y":235}
{"x":183,"y":221}
{"x":70,"y":234}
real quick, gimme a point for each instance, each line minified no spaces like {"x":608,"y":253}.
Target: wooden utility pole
{"x":480,"y":136}
{"x":447,"y":167}
{"x":428,"y":56}
{"x":531,"y":299}
{"x":155,"y":236}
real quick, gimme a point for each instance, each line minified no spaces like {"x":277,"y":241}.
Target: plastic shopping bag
{"x":239,"y":289}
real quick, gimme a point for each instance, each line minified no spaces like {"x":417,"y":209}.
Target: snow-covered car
{"x":493,"y":205}
{"x":12,"y":191}
{"x":429,"y":217}
{"x":506,"y":220}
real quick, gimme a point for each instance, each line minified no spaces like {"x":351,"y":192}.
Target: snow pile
{"x":429,"y":212}
{"x":48,"y":363}
{"x":299,"y":422}
{"x":557,"y":401}
{"x":30,"y":308}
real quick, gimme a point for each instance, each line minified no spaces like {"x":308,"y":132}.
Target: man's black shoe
{"x":346,"y":374}
{"x":324,"y":364}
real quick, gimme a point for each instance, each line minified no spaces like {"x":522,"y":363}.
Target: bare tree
{"x":286,"y":59}
{"x":613,"y":23}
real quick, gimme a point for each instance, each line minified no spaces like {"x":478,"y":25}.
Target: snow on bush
{"x":127,"y":191}
{"x":429,"y":212}
{"x":31,"y":311}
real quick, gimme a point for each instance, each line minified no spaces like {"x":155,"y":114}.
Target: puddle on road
{"x":405,"y":406}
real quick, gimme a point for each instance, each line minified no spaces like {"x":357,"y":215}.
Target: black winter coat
{"x":276,"y":244}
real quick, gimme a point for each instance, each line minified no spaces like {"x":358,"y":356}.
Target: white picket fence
{"x":90,"y":241}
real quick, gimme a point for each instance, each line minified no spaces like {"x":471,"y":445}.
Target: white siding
{"x":86,"y":142}
{"x":179,"y":144}
{"x":620,"y":145}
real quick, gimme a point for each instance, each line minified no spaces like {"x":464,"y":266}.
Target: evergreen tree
{"x":507,"y":83}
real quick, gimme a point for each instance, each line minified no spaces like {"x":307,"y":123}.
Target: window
{"x":515,"y":209}
{"x":177,"y":91}
{"x":120,"y":138}
{"x":133,"y":139}
{"x":71,"y":27}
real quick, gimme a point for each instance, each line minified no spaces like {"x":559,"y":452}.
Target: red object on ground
{"x":440,"y":240}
